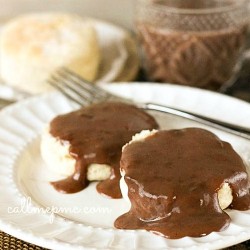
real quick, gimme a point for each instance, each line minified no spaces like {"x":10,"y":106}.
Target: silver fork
{"x":85,"y":93}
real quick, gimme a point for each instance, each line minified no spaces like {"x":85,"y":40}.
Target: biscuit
{"x":179,"y":181}
{"x":225,"y":196}
{"x":86,"y":145}
{"x":55,"y":153}
{"x":32,"y":46}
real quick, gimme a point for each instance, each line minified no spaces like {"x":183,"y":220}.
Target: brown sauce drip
{"x":173,"y":178}
{"x":96,"y":135}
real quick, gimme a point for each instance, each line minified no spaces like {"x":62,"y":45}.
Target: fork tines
{"x":78,"y":89}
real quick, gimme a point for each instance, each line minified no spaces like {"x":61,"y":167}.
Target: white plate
{"x":90,"y":226}
{"x":117,"y":50}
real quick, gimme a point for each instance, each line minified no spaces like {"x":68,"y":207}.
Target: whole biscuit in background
{"x":32,"y":46}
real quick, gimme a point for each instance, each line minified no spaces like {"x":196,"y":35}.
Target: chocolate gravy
{"x":201,"y":53}
{"x":96,"y":135}
{"x":173,"y":178}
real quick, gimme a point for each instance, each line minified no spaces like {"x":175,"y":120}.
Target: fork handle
{"x":223,"y":126}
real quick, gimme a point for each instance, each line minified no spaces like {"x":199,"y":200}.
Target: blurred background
{"x":119,"y":12}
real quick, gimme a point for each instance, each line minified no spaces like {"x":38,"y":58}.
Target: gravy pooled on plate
{"x":96,"y":134}
{"x":173,"y":178}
